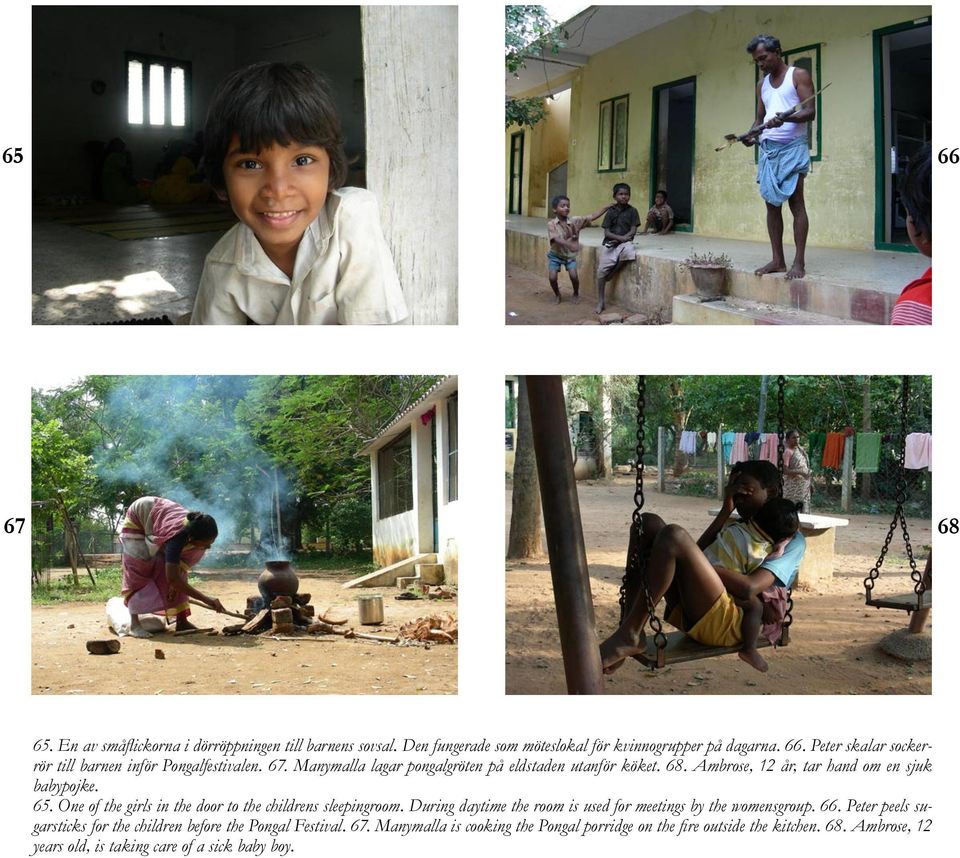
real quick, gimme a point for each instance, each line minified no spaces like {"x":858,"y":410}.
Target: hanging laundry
{"x":815,"y":443}
{"x":768,"y":447}
{"x":739,"y":452}
{"x":752,"y":438}
{"x":688,"y":442}
{"x":726,"y":441}
{"x":712,"y":441}
{"x":919,"y":451}
{"x":868,"y":452}
{"x":833,"y":450}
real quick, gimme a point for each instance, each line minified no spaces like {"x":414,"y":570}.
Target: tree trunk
{"x":525,"y":539}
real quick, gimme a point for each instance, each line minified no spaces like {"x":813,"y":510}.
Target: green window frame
{"x":612,"y":134}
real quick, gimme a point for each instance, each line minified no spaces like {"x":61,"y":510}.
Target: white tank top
{"x":777,"y":100}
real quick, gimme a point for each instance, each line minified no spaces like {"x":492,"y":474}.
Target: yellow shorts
{"x":719,"y":626}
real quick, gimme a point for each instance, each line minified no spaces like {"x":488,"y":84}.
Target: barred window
{"x":395,"y":477}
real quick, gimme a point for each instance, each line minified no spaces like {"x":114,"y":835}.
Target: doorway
{"x":903,"y":116}
{"x":516,"y":173}
{"x":671,"y":169}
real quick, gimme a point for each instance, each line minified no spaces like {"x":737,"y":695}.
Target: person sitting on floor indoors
{"x":915,"y":304}
{"x":117,"y":183}
{"x":660,"y":217}
{"x":177,"y":180}
{"x":161,"y":542}
{"x":700,"y":598}
{"x":564,"y":234}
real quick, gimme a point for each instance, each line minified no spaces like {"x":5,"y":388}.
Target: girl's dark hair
{"x":268,"y":103}
{"x":201,"y":526}
{"x":915,"y":190}
{"x":779,"y":518}
{"x":764,"y":472}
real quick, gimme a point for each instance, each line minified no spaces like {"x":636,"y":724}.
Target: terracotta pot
{"x":278,"y":579}
{"x":708,"y":280}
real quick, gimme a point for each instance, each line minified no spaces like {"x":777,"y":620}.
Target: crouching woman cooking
{"x":161,"y":542}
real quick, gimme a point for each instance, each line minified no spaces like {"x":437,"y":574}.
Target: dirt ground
{"x":833,"y":646}
{"x":201,"y":664}
{"x":530,"y":301}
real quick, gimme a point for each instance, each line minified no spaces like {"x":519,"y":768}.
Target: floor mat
{"x":150,"y":222}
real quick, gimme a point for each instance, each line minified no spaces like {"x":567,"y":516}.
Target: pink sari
{"x":148,"y":525}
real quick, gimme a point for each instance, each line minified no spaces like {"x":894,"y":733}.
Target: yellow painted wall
{"x":545,"y":147}
{"x":711,"y":46}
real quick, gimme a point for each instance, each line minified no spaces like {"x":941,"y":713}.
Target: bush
{"x":350,"y":528}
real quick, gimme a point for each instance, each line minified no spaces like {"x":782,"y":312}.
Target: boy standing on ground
{"x":619,"y":228}
{"x":660,"y":217}
{"x":915,"y":304}
{"x":564,"y":233}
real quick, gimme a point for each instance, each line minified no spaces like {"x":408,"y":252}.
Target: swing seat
{"x":680,"y":648}
{"x":904,"y":602}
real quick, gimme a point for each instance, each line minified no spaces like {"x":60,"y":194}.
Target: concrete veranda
{"x":841,"y":286}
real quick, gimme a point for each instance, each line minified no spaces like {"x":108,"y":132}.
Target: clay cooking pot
{"x":278,"y":579}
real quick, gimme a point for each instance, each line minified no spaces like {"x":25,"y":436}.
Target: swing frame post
{"x":564,"y":532}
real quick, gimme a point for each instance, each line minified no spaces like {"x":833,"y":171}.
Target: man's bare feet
{"x":754,"y":659}
{"x":185,"y":625}
{"x":797,"y":271}
{"x":620,"y":646}
{"x":771,"y":267}
{"x":139,"y":632}
{"x":598,"y":310}
{"x":576,"y":298}
{"x":556,"y":299}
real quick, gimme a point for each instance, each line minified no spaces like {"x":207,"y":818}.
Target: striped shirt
{"x":915,"y":304}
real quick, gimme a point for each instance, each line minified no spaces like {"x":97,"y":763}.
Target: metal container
{"x":371,"y":609}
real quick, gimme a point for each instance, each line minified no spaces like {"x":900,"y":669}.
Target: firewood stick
{"x":291,"y":638}
{"x":224,"y":611}
{"x":365,"y":637}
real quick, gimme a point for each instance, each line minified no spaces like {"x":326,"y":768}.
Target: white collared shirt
{"x":343,"y":273}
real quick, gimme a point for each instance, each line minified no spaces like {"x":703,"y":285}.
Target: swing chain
{"x":781,"y":446}
{"x":898,"y":516}
{"x":636,"y":560}
{"x":636,"y":523}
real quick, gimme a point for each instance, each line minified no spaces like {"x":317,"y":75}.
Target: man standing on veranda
{"x":784,"y":157}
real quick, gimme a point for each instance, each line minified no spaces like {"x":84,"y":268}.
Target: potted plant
{"x":708,"y":271}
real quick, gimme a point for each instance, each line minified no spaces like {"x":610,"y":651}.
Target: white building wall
{"x":409,"y":533}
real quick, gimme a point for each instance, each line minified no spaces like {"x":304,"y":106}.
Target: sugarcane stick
{"x":759,"y":129}
{"x":224,"y":611}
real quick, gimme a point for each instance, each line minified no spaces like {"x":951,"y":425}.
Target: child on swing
{"x":745,"y":546}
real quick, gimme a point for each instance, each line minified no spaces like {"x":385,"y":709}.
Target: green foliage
{"x":524,"y":111}
{"x":217,"y":443}
{"x":63,"y":589}
{"x":350,"y":525}
{"x":529,"y":32}
{"x":60,"y":468}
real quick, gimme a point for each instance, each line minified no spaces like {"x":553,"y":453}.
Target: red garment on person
{"x":915,"y":304}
